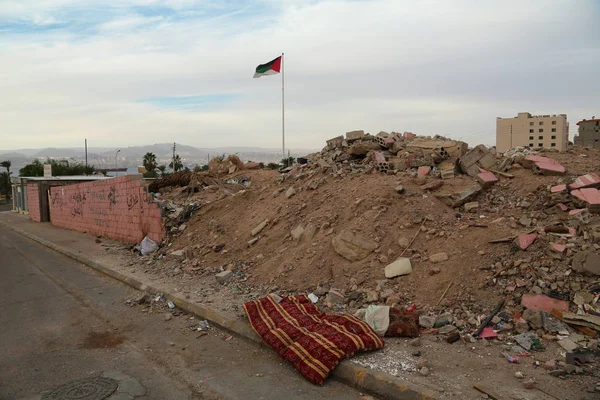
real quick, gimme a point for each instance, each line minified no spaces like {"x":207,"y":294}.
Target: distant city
{"x":131,"y":157}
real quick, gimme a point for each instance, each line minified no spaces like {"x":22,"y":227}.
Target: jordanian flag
{"x":270,"y":68}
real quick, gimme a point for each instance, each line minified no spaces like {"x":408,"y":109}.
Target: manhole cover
{"x":97,"y":388}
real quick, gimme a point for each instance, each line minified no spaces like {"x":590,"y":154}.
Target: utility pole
{"x":86,"y":163}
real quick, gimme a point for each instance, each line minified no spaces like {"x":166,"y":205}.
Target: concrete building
{"x":550,"y":131}
{"x":589,"y":133}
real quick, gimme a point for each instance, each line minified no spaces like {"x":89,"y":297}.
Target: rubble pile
{"x":417,"y":223}
{"x":181,"y":178}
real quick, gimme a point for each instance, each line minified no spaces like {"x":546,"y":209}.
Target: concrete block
{"x":401,"y":266}
{"x":540,"y":302}
{"x":224,"y":276}
{"x":558,"y":188}
{"x":590,"y":197}
{"x":423,"y":170}
{"x":354,"y":135}
{"x":458,"y":198}
{"x":447,"y":173}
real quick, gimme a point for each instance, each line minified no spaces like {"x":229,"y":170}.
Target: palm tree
{"x":177,"y":165}
{"x":149,"y":162}
{"x":162,"y":169}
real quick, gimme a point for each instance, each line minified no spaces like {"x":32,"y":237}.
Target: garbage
{"x":170,"y":304}
{"x":148,"y":246}
{"x":313,"y":298}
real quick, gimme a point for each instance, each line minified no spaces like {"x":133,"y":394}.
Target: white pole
{"x":282,"y":111}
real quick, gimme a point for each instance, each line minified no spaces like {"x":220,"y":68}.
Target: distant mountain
{"x":132,"y":156}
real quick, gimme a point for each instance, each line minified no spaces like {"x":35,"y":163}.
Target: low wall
{"x":33,"y":202}
{"x":118,"y":208}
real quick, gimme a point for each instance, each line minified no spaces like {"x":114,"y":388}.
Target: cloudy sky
{"x":130,"y":72}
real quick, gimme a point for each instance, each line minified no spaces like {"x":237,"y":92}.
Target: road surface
{"x":61,"y":321}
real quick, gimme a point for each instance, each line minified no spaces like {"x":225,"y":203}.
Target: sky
{"x":135,"y":72}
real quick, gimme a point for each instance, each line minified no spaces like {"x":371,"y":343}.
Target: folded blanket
{"x":312,"y":341}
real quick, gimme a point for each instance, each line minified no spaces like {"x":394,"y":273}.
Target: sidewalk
{"x":109,"y":257}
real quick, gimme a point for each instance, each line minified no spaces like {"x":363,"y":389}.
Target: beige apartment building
{"x":550,"y":131}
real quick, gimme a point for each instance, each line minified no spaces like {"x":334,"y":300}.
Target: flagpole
{"x":282,"y":111}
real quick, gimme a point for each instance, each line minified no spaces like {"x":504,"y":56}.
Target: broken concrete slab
{"x":540,"y":302}
{"x":363,"y":147}
{"x":401,"y":266}
{"x":586,"y":263}
{"x":586,"y":181}
{"x":558,"y":188}
{"x":433,"y":185}
{"x":458,"y":198}
{"x":590,"y":197}
{"x":447,"y":173}
{"x":454,"y":148}
{"x":477,"y":157}
{"x":335,"y":142}
{"x":524,"y":241}
{"x":178,"y":254}
{"x":353,"y":246}
{"x":258,"y":229}
{"x":543,"y":165}
{"x":290,"y":192}
{"x":308,"y":233}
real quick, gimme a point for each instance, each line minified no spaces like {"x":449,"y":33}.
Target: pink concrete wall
{"x":33,"y":202}
{"x":117,"y":208}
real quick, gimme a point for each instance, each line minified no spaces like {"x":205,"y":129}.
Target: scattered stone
{"x":399,"y":189}
{"x":528,"y":383}
{"x":335,"y":297}
{"x":416,"y":342}
{"x":471,"y":206}
{"x":251,"y":242}
{"x":587,"y":263}
{"x":424,"y":371}
{"x":417,"y":353}
{"x":433,"y":185}
{"x":403,"y":242}
{"x":260,"y":227}
{"x":558,"y":372}
{"x":372,"y":296}
{"x":447,"y":329}
{"x":168,"y":316}
{"x":533,"y":317}
{"x":519,"y":375}
{"x":441,"y":322}
{"x":297,"y":232}
{"x":399,"y":267}
{"x":178,"y":254}
{"x":435,"y":271}
{"x":422,"y":363}
{"x":177,"y":271}
{"x":568,"y":344}
{"x":426,"y":321}
{"x":223,"y":277}
{"x":290,"y":192}
{"x":439,"y":257}
{"x":524,"y":241}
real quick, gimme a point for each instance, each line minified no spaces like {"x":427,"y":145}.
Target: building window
{"x":540,"y":145}
{"x":530,"y":137}
{"x":541,"y":137}
{"x":552,"y":144}
{"x":541,"y":130}
{"x":531,"y":124}
{"x":553,"y":122}
{"x":531,"y":131}
{"x":553,"y":137}
{"x":531,"y":144}
{"x":553,"y":129}
{"x":541,"y":122}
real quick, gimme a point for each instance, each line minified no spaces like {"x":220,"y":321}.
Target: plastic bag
{"x":148,"y":246}
{"x":378,"y":318}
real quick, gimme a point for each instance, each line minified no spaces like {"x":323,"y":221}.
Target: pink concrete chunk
{"x":562,"y":206}
{"x":388,"y":140}
{"x":486,"y":178}
{"x":524,"y":241}
{"x":572,"y":231}
{"x":409,"y":135}
{"x":588,"y":195}
{"x":586,"y":181}
{"x":548,"y":168}
{"x":540,"y":302}
{"x":559,"y":248}
{"x":487,"y":333}
{"x":558,"y":188}
{"x":423,"y":170}
{"x":574,"y":212}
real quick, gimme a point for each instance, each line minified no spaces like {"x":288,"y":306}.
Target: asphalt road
{"x":61,"y":321}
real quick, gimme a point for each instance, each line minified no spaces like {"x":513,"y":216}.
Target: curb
{"x":363,"y":379}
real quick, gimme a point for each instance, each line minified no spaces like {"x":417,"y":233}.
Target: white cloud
{"x":431,"y":67}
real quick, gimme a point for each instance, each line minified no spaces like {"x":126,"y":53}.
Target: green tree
{"x":59,"y":168}
{"x":5,"y":184}
{"x":162,"y":169}
{"x":287,"y":162}
{"x":176,"y":164}
{"x":149,"y":162}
